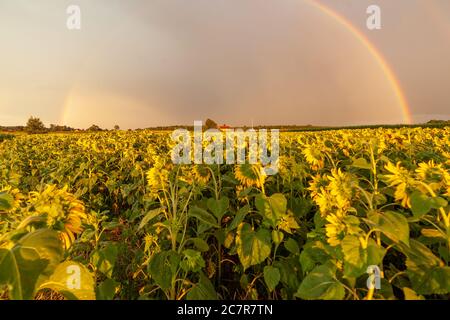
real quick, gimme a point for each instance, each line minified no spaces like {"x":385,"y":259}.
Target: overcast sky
{"x":142,"y":63}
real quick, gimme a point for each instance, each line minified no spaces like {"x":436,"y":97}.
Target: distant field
{"x":113,"y":206}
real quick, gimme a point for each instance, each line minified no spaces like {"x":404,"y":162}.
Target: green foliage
{"x":144,"y":228}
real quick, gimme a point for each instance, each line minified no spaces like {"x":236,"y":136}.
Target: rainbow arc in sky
{"x":377,"y":55}
{"x":357,"y":34}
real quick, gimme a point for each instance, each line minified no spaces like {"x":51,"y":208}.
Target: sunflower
{"x":249,"y":175}
{"x":334,"y":229}
{"x":202,"y":174}
{"x":288,"y":223}
{"x":314,"y":156}
{"x":400,"y":179}
{"x":16,"y":195}
{"x":342,"y":187}
{"x":317,"y":184}
{"x":433,"y":174}
{"x":158,"y":175}
{"x":324,"y":201}
{"x":151,"y":244}
{"x":240,"y":195}
{"x":62,"y":210}
{"x":289,"y":169}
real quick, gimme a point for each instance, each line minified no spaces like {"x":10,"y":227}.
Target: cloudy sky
{"x":142,"y":63}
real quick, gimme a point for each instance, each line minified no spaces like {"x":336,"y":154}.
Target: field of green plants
{"x":109,"y":216}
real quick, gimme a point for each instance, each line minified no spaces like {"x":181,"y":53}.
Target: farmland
{"x":112,"y":207}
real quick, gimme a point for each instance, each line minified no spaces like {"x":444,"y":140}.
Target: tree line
{"x":35,"y":125}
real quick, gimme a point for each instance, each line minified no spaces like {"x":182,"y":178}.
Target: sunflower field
{"x":112,"y":209}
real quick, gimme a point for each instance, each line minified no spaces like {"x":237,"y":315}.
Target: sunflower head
{"x":433,"y":174}
{"x":314,"y":156}
{"x":334,"y":230}
{"x":202,"y":174}
{"x":317,"y":184}
{"x":249,"y":175}
{"x":16,"y":196}
{"x":401,"y":179}
{"x":158,"y":175}
{"x":342,"y":186}
{"x":62,"y":210}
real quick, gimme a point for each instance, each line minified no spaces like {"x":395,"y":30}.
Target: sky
{"x":143,"y":63}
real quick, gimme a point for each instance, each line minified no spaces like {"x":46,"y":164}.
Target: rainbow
{"x":373,"y":51}
{"x":361,"y":38}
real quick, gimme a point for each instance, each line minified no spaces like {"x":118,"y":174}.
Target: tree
{"x":94,"y":127}
{"x":116,"y":127}
{"x":210,"y":124}
{"x":35,"y":125}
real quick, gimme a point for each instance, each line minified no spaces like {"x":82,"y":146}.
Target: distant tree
{"x":35,"y":125}
{"x":210,"y":124}
{"x":435,"y":121}
{"x":116,"y":127}
{"x":94,"y":127}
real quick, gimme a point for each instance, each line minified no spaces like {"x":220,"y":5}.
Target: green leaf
{"x":6,"y":201}
{"x":200,"y":244}
{"x":271,"y":277}
{"x":421,"y":204}
{"x":320,"y":283}
{"x":105,"y":259}
{"x":289,"y":273}
{"x":203,"y":215}
{"x":438,"y":202}
{"x":411,"y":294}
{"x":106,"y":290}
{"x":314,"y":253}
{"x":394,"y":225}
{"x":427,"y":273}
{"x":277,"y":237}
{"x":435,"y":280}
{"x":48,"y":245}
{"x":432,"y":233}
{"x":158,"y":269}
{"x":292,"y":246}
{"x":300,"y":206}
{"x":149,"y":216}
{"x":375,"y":253}
{"x":239,"y":217}
{"x":252,"y":247}
{"x":31,"y":268}
{"x":420,"y":255}
{"x":361,"y":163}
{"x":73,"y":280}
{"x":33,"y":258}
{"x":192,"y":261}
{"x":271,"y":208}
{"x":218,"y":207}
{"x":9,"y":274}
{"x":203,"y":290}
{"x":111,"y":225}
{"x":355,"y":257}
